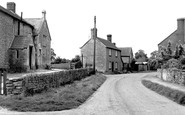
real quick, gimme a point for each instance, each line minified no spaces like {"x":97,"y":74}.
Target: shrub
{"x":38,"y":82}
{"x":173,"y":63}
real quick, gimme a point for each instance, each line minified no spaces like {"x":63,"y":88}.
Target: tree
{"x":53,"y":55}
{"x":154,"y":54}
{"x":76,"y":59}
{"x":141,"y":56}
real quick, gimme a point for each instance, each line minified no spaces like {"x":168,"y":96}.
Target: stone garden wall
{"x":172,"y":75}
{"x":34,"y":83}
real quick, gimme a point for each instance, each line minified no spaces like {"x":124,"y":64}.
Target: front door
{"x":112,"y":66}
{"x":30,"y":56}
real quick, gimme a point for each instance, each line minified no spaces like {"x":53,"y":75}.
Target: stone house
{"x":107,"y":55}
{"x":177,"y":37}
{"x":42,"y":40}
{"x":126,"y":57}
{"x":18,"y":40}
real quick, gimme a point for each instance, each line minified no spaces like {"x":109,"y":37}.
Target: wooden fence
{"x":3,"y":78}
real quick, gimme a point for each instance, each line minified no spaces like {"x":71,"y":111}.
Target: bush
{"x":38,"y":82}
{"x":172,"y":63}
{"x":175,"y":95}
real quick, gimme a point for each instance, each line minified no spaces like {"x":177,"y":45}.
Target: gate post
{"x":3,"y":78}
{"x":4,"y":81}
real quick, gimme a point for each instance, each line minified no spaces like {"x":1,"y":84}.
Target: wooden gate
{"x":3,"y":78}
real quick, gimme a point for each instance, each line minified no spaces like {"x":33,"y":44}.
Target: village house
{"x":23,"y":44}
{"x":126,"y":57}
{"x":107,"y":55}
{"x":177,"y":37}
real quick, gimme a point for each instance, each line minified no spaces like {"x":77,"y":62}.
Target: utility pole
{"x":94,"y":37}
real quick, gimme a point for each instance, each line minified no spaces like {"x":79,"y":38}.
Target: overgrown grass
{"x":175,"y":95}
{"x":56,"y":99}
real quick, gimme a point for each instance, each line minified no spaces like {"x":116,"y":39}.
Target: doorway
{"x":112,"y":66}
{"x":30,"y":56}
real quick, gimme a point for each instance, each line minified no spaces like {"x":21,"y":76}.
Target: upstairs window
{"x":110,"y":52}
{"x":116,"y":53}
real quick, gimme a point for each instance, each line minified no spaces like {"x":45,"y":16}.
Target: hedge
{"x":175,"y":95}
{"x":38,"y":82}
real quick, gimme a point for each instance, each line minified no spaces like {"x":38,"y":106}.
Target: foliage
{"x":154,"y":64}
{"x":78,"y":64}
{"x":76,"y":59}
{"x":172,"y":63}
{"x":53,"y":55}
{"x":55,"y":99}
{"x":175,"y":95}
{"x":59,"y":60}
{"x":140,"y":55}
{"x":38,"y":82}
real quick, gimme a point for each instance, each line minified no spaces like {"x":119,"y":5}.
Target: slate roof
{"x":20,"y":42}
{"x":14,"y":15}
{"x":37,"y":22}
{"x":126,"y":51}
{"x":108,"y":44}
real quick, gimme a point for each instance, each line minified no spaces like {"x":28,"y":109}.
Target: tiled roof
{"x":14,"y":15}
{"x":108,"y":44}
{"x":20,"y":42}
{"x":126,"y":51}
{"x":37,"y":22}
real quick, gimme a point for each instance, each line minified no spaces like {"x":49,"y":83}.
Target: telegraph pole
{"x":94,"y":37}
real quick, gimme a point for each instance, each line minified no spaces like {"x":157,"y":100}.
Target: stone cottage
{"x":126,"y":57}
{"x":42,"y":40}
{"x":19,"y":40}
{"x":177,"y":37}
{"x":107,"y":55}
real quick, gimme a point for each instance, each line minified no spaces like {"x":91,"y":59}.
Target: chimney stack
{"x":109,"y":38}
{"x":180,"y":25}
{"x":11,"y":6}
{"x":44,"y":14}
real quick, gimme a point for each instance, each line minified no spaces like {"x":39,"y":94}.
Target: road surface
{"x":124,"y":95}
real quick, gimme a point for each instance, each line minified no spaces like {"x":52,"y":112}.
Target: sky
{"x":140,"y":24}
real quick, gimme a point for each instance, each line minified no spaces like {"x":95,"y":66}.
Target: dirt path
{"x":124,"y":95}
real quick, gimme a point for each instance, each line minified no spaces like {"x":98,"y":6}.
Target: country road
{"x":124,"y":95}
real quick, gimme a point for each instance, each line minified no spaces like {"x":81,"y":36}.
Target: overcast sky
{"x":140,"y":24}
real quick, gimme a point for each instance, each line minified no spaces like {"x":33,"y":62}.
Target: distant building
{"x":177,"y":37}
{"x":20,"y":40}
{"x":126,"y":57}
{"x":108,"y":56}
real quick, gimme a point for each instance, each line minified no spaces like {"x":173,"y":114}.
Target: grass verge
{"x":175,"y":95}
{"x":55,"y":99}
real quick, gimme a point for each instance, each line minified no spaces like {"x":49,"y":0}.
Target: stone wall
{"x":33,"y":83}
{"x":172,"y":75}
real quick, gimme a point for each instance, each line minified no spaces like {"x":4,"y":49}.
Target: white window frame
{"x":110,"y":64}
{"x":116,"y":53}
{"x":116,"y":66}
{"x":110,"y":52}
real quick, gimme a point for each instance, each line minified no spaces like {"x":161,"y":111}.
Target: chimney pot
{"x":44,"y":14}
{"x":109,"y":37}
{"x":114,"y":44}
{"x":11,"y":6}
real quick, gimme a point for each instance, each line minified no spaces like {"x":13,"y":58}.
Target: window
{"x":116,"y":66}
{"x":17,"y":53}
{"x":116,"y":53}
{"x":110,"y":52}
{"x":109,"y":65}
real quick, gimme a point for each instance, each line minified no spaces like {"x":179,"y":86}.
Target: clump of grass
{"x":175,"y":95}
{"x":55,"y":99}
